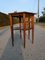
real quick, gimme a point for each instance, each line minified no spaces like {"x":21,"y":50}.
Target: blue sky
{"x":8,"y":6}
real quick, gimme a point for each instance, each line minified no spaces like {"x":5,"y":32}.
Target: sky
{"x":8,"y":6}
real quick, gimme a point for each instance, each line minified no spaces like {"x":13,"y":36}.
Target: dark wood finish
{"x":24,"y":29}
{"x":32,"y":29}
{"x":29,"y":28}
{"x":22,"y":15}
{"x":11,"y":27}
{"x":20,"y":26}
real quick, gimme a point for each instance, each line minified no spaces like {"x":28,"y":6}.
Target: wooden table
{"x":28,"y":24}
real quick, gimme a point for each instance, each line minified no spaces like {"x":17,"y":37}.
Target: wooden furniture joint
{"x":28,"y":19}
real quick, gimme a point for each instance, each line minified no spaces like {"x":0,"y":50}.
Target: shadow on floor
{"x":13,"y":53}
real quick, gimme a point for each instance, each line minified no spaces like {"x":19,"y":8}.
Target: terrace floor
{"x":34,"y":51}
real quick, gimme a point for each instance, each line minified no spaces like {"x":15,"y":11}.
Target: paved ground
{"x":31,"y":52}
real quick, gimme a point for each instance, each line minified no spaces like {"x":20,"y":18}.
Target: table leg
{"x":29,"y":28}
{"x":32,"y":36}
{"x":32,"y":29}
{"x":24,"y":30}
{"x":12,"y":36}
{"x":11,"y":28}
{"x":20,"y":26}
